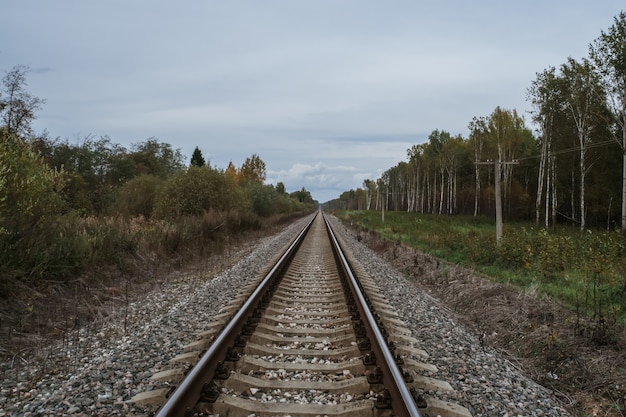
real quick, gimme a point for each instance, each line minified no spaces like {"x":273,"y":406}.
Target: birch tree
{"x":544,"y":95}
{"x":608,"y":52}
{"x":478,"y":136}
{"x":370,"y":190}
{"x":583,"y":98}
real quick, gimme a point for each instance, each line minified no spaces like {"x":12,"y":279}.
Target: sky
{"x":327,"y":93}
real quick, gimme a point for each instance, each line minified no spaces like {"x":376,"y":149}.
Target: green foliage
{"x":76,"y":193}
{"x":197,"y":190}
{"x":40,"y":239}
{"x":284,"y":204}
{"x":97,"y":166}
{"x":156,"y":158}
{"x":583,"y":269}
{"x":137,"y":197}
{"x":29,"y":188}
{"x":262,"y":198}
{"x":253,"y":170}
{"x":303,"y":196}
{"x":55,"y":195}
{"x":568,"y":173}
{"x":30,"y":209}
{"x":197,"y":159}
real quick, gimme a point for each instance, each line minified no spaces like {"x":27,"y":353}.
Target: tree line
{"x":572,"y":169}
{"x":64,"y":205}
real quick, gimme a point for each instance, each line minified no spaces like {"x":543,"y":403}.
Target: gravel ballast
{"x":96,"y":372}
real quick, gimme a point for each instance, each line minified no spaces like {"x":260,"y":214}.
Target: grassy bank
{"x":584,"y":270}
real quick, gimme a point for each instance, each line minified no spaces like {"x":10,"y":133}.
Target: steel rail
{"x":189,"y":391}
{"x":402,"y":401}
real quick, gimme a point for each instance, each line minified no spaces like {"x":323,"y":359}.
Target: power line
{"x":573,"y":149}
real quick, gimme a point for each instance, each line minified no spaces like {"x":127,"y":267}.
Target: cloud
{"x":328,"y":93}
{"x":324,"y":181}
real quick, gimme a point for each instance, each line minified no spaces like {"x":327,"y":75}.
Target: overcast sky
{"x":327,"y":93}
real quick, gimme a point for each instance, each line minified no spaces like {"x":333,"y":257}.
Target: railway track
{"x":310,"y":337}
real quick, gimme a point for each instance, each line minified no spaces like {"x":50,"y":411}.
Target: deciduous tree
{"x":253,"y":170}
{"x":17,"y":105}
{"x":608,"y":52}
{"x":545,"y":94}
{"x":583,"y":98}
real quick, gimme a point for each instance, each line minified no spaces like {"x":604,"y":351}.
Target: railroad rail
{"x":312,"y":336}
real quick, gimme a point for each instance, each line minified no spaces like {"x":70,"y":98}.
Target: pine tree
{"x":197,"y":159}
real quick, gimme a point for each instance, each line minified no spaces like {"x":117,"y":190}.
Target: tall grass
{"x":585,"y":270}
{"x":70,"y":245}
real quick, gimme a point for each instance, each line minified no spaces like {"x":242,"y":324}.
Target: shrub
{"x":138,"y":196}
{"x":262,"y":198}
{"x":33,"y":224}
{"x":199,"y":189}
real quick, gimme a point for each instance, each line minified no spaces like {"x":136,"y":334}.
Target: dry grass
{"x":36,"y":319}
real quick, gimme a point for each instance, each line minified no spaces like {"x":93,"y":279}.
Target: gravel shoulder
{"x":98,"y":369}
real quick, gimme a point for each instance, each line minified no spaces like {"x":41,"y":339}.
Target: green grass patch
{"x":584,"y":270}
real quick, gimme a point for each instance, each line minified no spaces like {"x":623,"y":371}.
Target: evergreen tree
{"x":197,"y":159}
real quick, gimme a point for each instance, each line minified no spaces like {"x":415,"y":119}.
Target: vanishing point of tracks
{"x":311,"y":337}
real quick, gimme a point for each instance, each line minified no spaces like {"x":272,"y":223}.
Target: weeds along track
{"x":311,"y":337}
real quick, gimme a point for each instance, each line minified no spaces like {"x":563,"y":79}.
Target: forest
{"x":69,"y":208}
{"x":570,"y":169}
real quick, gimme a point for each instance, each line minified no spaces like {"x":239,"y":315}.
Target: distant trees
{"x":195,"y":191}
{"x":157,"y":158}
{"x":96,"y":167}
{"x":303,"y":196}
{"x":567,"y":173}
{"x":66,"y":205}
{"x":479,"y":135}
{"x":569,"y":106}
{"x":442,"y":176}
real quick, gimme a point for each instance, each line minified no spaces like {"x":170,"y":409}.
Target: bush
{"x":199,"y":189}
{"x":262,"y":198}
{"x":138,"y":197}
{"x":33,"y":238}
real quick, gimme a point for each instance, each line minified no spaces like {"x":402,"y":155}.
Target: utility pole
{"x":498,"y":188}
